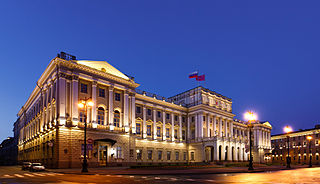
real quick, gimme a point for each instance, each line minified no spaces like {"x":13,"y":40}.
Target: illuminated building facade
{"x":299,"y":149}
{"x":127,"y":126}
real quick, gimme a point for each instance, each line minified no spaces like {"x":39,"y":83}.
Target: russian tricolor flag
{"x":193,"y":74}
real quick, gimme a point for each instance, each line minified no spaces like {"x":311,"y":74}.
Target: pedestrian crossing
{"x":30,"y":175}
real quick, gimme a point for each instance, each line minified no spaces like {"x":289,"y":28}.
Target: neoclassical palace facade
{"x":127,"y":126}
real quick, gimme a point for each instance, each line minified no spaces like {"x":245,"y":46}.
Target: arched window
{"x":116,"y":119}
{"x":100,"y":117}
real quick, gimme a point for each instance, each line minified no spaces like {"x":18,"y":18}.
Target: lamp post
{"x":288,"y":129}
{"x":309,"y":138}
{"x":85,"y":104}
{"x":250,"y":116}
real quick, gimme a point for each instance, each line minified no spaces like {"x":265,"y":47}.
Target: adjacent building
{"x":127,"y":126}
{"x":300,"y":148}
{"x":8,"y":152}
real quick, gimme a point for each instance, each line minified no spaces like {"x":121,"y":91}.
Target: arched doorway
{"x":238,"y":153}
{"x":232,"y":153}
{"x":209,"y":151}
{"x":212,"y":154}
{"x":220,"y":154}
{"x":226,"y":153}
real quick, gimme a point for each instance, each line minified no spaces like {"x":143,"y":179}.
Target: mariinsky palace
{"x":127,"y":126}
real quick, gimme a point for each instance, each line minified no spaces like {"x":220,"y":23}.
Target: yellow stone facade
{"x":127,"y":126}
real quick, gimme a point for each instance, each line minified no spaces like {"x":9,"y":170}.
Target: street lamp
{"x":309,"y":138}
{"x":250,"y":116}
{"x":288,"y":129}
{"x":85,"y":104}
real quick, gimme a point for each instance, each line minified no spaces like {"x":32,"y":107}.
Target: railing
{"x":158,"y":97}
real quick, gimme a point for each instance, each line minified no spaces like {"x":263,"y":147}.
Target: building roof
{"x":317,"y":127}
{"x":103,"y":66}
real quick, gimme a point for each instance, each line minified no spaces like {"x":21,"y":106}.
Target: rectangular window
{"x":176,"y":134}
{"x":102,"y":92}
{"x":183,"y":135}
{"x":139,"y":154}
{"x":159,"y":114}
{"x":192,"y":155}
{"x":117,"y":97}
{"x":138,"y":128}
{"x":83,"y":88}
{"x":183,"y":119}
{"x":177,"y":155}
{"x":149,"y":154}
{"x":168,"y":155}
{"x":131,"y":153}
{"x":81,"y":116}
{"x":148,"y":130}
{"x":149,"y":112}
{"x":158,"y":131}
{"x":204,"y":118}
{"x":119,"y":152}
{"x":159,"y":155}
{"x":192,"y":119}
{"x":184,"y":155}
{"x":138,"y":109}
{"x":168,"y":132}
{"x":168,"y":116}
{"x":176,"y":118}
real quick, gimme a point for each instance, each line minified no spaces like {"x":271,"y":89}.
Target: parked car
{"x":26,"y":166}
{"x":37,"y":167}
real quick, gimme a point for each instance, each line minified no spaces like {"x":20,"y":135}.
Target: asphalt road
{"x":305,"y":175}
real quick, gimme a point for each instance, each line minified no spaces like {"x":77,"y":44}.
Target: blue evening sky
{"x":262,"y":54}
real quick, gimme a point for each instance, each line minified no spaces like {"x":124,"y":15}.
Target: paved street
{"x":303,"y":175}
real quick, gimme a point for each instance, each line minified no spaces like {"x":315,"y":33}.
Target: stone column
{"x":180,"y":127}
{"x":226,"y":127}
{"x":214,"y":126}
{"x":220,"y":127}
{"x":229,"y":152}
{"x":154,"y":124}
{"x":200,"y":121}
{"x":164,"y":125}
{"x":172,"y":127}
{"x":231,"y":129}
{"x":196,"y":128}
{"x":188,"y":128}
{"x":110,"y":110}
{"x":133,"y":114}
{"x":144,"y":129}
{"x":126,"y":111}
{"x":94,"y":100}
{"x":208,"y":125}
{"x":62,"y":99}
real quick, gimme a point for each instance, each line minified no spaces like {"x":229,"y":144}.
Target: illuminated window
{"x":81,"y":116}
{"x":100,"y":117}
{"x":168,"y":132}
{"x":177,"y":155}
{"x":83,"y":88}
{"x":168,"y":155}
{"x":158,"y":131}
{"x":102,"y":93}
{"x":139,"y":154}
{"x":116,"y":119}
{"x":117,"y":97}
{"x":138,"y":127}
{"x":119,"y":152}
{"x":192,"y":155}
{"x":184,"y":155}
{"x":148,"y":130}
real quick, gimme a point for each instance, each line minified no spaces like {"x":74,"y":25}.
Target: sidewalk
{"x":172,"y":171}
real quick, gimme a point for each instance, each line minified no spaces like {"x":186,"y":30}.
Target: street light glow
{"x":81,"y":105}
{"x":287,"y":129}
{"x":90,"y":103}
{"x":309,"y":137}
{"x":250,"y":116}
